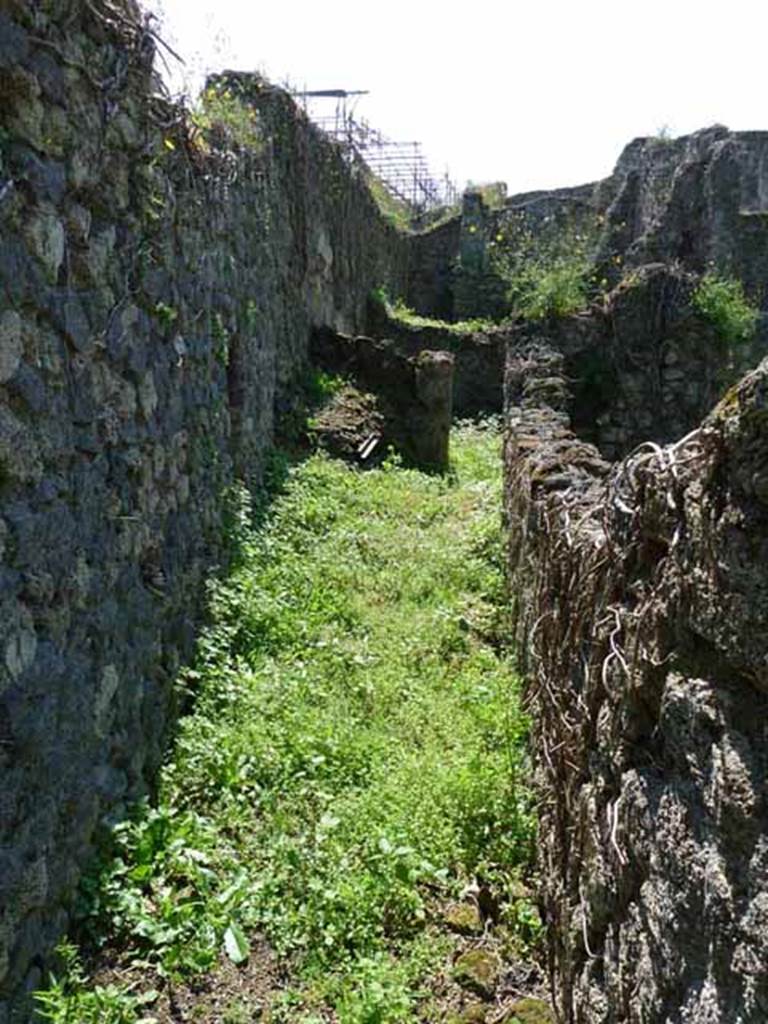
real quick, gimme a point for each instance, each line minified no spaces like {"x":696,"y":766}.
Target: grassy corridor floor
{"x":351,"y":776}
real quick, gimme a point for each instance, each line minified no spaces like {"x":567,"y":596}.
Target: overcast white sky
{"x":537,"y":93}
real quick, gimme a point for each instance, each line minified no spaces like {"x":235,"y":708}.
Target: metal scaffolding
{"x":400,"y":166}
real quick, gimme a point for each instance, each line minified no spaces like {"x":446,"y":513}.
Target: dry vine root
{"x":622,"y":573}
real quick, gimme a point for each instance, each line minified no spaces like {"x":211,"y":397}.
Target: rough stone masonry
{"x":641,"y":596}
{"x":158,"y":287}
{"x":641,"y":618}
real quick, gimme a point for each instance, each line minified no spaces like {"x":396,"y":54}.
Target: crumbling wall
{"x":478,"y":383}
{"x":158,"y":286}
{"x":698,"y":202}
{"x":641,"y":605}
{"x":644,"y":365}
{"x":413,"y":393}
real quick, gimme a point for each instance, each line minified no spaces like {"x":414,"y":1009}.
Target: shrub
{"x":546,"y":265}
{"x":722,"y":301}
{"x":554,"y":289}
{"x":224,"y":114}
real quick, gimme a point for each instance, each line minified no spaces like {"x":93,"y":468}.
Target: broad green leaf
{"x":236,"y":944}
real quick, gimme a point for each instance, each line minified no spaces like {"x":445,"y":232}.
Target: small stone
{"x":19,"y":452}
{"x":529,"y":1011}
{"x":475,"y":1013}
{"x":14,"y":43}
{"x":79,"y":223}
{"x":148,"y":395}
{"x":464,"y":919}
{"x":46,"y":240}
{"x":46,"y":179}
{"x":25,"y":113}
{"x":10,"y":344}
{"x":20,"y":652}
{"x":100,"y":253}
{"x":108,"y":687}
{"x":477,"y":971}
{"x":760,"y":487}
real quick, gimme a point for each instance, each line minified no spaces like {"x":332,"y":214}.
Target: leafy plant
{"x":546,"y":267}
{"x":722,"y":301}
{"x":166,"y":314}
{"x":221,"y":113}
{"x":70,"y":1000}
{"x":320,"y":385}
{"x":552,"y":289}
{"x":221,"y":339}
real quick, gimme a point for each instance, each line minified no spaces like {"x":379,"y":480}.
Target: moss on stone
{"x":477,"y":971}
{"x":475,"y":1013}
{"x":530,"y":1011}
{"x":464,"y":919}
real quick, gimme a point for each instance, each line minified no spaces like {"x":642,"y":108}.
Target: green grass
{"x":394,"y":210}
{"x":399,"y":311}
{"x":722,"y":301}
{"x":356,"y":752}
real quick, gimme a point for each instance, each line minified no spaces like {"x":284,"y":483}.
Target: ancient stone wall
{"x":641,"y":610}
{"x":158,"y":285}
{"x":413,"y":393}
{"x":430,"y":281}
{"x":698,"y":202}
{"x":478,"y":385}
{"x":643,"y":366}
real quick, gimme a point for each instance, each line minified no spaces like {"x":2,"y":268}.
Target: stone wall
{"x":478,"y":384}
{"x":644,"y":365}
{"x":641,"y":611}
{"x":158,"y":286}
{"x":413,"y":394}
{"x":496,"y":242}
{"x":698,"y":202}
{"x":430,"y":282}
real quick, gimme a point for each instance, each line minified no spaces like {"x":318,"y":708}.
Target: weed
{"x":663,"y":135}
{"x":722,"y":301}
{"x":321,"y":386}
{"x":70,"y":1000}
{"x":546,"y":269}
{"x":166,"y":314}
{"x":251,"y":317}
{"x":221,"y":339}
{"x":397,"y":213}
{"x":555,"y":288}
{"x":221,"y":113}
